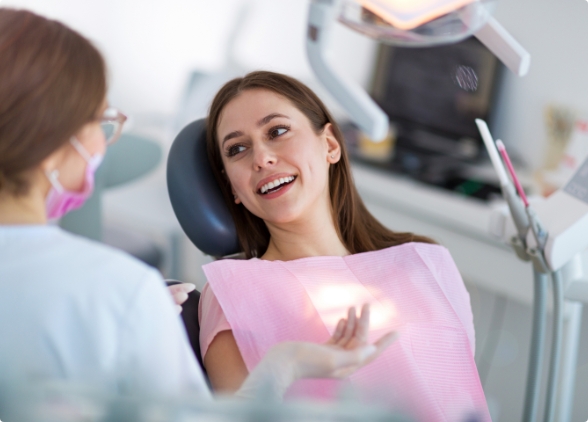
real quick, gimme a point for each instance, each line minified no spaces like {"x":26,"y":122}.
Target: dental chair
{"x":200,"y":208}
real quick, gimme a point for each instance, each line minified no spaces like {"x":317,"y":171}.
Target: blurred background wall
{"x":151,"y":46}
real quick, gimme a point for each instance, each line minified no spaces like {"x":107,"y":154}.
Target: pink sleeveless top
{"x":415,"y":288}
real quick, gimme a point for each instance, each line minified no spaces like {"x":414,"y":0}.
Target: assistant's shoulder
{"x":103,"y":263}
{"x":88,"y":248}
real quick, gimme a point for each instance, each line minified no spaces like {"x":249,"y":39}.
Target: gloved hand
{"x":344,"y":353}
{"x":179,"y":293}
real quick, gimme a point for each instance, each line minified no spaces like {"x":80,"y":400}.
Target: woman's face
{"x":277,"y":165}
{"x":69,"y":162}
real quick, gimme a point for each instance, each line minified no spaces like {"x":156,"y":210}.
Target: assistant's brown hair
{"x":357,"y":228}
{"x":52,"y":82}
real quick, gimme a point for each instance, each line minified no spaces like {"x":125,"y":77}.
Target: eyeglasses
{"x":112,"y":122}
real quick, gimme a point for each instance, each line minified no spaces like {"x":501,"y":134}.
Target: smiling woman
{"x":264,"y":115}
{"x":314,"y":249}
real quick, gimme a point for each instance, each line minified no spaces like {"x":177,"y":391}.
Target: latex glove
{"x":345,"y":352}
{"x":179,"y":293}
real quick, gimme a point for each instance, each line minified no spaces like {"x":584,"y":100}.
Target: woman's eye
{"x":278,"y":131}
{"x":235,"y":149}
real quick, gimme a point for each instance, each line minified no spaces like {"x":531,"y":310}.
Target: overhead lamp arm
{"x":355,"y":101}
{"x":361,"y":108}
{"x":499,"y":41}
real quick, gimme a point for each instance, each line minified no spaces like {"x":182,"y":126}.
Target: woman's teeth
{"x":276,"y":184}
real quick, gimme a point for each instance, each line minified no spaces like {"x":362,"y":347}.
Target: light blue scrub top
{"x":73,"y":309}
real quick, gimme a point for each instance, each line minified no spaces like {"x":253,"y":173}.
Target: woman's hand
{"x":345,"y":352}
{"x":179,"y":293}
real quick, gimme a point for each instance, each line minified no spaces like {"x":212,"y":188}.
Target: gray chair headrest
{"x":195,"y":195}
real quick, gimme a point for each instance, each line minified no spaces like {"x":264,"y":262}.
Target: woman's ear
{"x":333,"y":147}
{"x":235,"y":197}
{"x":52,"y":161}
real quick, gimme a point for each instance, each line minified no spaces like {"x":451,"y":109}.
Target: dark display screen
{"x":438,"y":89}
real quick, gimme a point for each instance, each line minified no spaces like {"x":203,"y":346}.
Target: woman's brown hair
{"x":52,"y":82}
{"x":357,"y":228}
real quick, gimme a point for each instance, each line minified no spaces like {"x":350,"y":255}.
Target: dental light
{"x":413,"y":23}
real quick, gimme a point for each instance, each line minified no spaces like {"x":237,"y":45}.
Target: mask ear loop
{"x":53,"y":177}
{"x":80,"y":148}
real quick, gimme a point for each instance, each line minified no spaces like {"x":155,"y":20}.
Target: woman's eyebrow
{"x":261,"y":122}
{"x":232,"y":135}
{"x":267,"y":118}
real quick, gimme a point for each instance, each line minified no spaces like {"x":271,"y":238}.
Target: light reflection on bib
{"x":332,"y":302}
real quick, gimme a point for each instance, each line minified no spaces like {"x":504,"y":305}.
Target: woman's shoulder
{"x":422,"y":246}
{"x":234,"y":264}
{"x":245,"y":270}
{"x":406,"y":249}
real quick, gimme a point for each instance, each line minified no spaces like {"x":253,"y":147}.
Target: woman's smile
{"x":277,"y":188}
{"x":274,"y":183}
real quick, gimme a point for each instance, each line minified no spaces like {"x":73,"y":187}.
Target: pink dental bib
{"x":415,"y":288}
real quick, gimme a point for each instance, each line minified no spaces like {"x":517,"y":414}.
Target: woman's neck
{"x":22,"y":210}
{"x":314,"y":235}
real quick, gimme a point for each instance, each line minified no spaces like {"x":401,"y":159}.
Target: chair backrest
{"x":195,"y":195}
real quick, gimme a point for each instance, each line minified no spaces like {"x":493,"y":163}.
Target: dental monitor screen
{"x":434,"y":94}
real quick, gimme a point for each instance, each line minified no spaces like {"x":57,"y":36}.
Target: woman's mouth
{"x":276,"y":185}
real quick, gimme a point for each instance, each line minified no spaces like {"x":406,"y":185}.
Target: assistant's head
{"x":278,"y":155}
{"x":52,"y":90}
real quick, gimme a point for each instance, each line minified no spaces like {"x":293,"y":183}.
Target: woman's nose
{"x":263,"y":157}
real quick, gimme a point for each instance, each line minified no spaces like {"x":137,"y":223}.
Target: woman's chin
{"x":281,"y":218}
{"x":280,"y":221}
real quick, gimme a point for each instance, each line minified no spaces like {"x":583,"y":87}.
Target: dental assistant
{"x":72,"y":309}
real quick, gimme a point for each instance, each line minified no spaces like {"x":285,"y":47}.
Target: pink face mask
{"x":60,"y":201}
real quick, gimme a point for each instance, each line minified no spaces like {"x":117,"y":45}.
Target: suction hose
{"x":554,"y":364}
{"x":536,"y":351}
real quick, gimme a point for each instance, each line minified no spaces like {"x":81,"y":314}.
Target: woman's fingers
{"x":339,"y":330}
{"x":386,"y":340}
{"x":348,"y":361}
{"x":357,"y":329}
{"x":382,"y":344}
{"x":349,"y":330}
{"x":363,"y":325}
{"x":180,"y":292}
{"x":182,"y":287}
{"x":331,"y":360}
{"x":180,"y":297}
{"x":353,"y":331}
